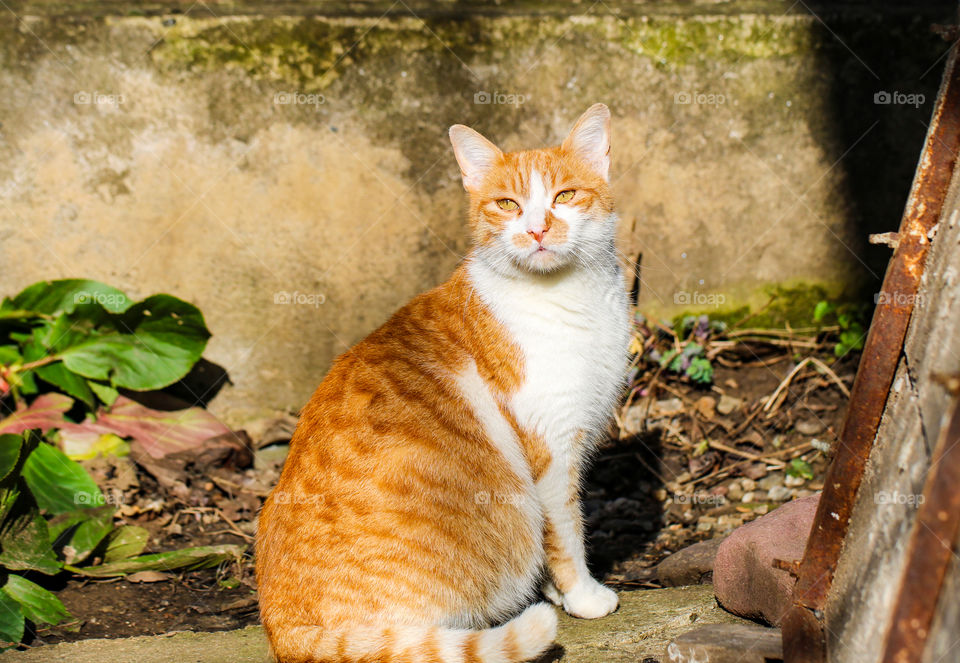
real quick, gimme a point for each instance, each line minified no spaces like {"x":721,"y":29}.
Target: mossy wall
{"x":232,"y":155}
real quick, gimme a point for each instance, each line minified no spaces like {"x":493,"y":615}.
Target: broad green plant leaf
{"x":125,"y":542}
{"x":11,"y":621}
{"x":156,"y":342}
{"x":37,"y":604}
{"x":9,"y":453}
{"x":64,"y":296}
{"x":188,"y":559}
{"x":77,"y":533}
{"x":24,"y":538}
{"x":58,"y":483}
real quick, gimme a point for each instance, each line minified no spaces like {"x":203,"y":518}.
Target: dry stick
{"x":233,"y":526}
{"x":775,"y":397}
{"x":723,"y":472}
{"x":745,"y":454}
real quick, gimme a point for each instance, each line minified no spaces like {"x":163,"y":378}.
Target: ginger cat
{"x":432,"y":483}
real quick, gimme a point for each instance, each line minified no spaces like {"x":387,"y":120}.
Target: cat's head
{"x":540,"y":210}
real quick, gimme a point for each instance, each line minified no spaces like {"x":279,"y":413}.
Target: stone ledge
{"x":643,"y":626}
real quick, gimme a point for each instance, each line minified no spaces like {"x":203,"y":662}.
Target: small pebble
{"x":728,"y":404}
{"x":809,"y":426}
{"x":748,"y":497}
{"x":734,"y":491}
{"x":748,"y":484}
{"x":778,"y":493}
{"x":770,"y":481}
{"x":793,"y":482}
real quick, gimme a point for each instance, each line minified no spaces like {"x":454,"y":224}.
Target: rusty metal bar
{"x":802,"y":627}
{"x":930,"y":550}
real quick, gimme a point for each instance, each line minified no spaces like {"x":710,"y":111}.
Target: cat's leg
{"x":580,"y":595}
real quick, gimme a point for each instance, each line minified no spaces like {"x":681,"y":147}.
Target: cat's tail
{"x":521,"y":639}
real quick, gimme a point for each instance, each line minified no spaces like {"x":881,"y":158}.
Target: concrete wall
{"x":229,"y":159}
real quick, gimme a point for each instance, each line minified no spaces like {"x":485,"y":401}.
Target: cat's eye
{"x":507,"y":204}
{"x":564,"y":196}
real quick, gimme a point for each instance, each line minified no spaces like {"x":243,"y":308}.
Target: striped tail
{"x":521,"y":639}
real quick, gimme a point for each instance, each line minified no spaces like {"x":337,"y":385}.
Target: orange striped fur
{"x":424,"y":500}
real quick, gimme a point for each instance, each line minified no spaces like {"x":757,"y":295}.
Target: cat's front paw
{"x":589,"y":600}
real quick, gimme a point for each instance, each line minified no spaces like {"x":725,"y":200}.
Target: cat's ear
{"x":590,"y":139}
{"x":475,"y":154}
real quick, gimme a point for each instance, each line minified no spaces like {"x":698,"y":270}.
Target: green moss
{"x":773,"y":306}
{"x":673,"y":41}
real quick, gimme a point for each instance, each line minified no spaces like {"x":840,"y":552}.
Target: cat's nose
{"x":538,"y":234}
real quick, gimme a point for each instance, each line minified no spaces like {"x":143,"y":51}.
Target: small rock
{"x":704,"y":526}
{"x":728,"y":404}
{"x":706,"y":406}
{"x":734,"y":491}
{"x":793,"y":482}
{"x":761,"y":510}
{"x":692,"y":565}
{"x":660,"y":495}
{"x":803,"y":492}
{"x":748,"y":497}
{"x":669,"y":407}
{"x":748,"y":484}
{"x":755,"y":471}
{"x":809,"y":426}
{"x":778,"y":441}
{"x":778,"y":493}
{"x":770,"y":481}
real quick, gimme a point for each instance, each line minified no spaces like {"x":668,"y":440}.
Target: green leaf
{"x":156,"y":343}
{"x":77,"y":533}
{"x":38,"y":605}
{"x":127,"y":541}
{"x":188,"y":559}
{"x":58,"y":483}
{"x":104,"y":392}
{"x":24,"y":538}
{"x":700,"y":370}
{"x":800,"y":468}
{"x":64,"y":296}
{"x":59,"y":376}
{"x":821,"y":310}
{"x":9,"y":453}
{"x":11,"y":620}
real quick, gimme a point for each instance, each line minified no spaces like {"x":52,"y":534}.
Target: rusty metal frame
{"x":930,"y":550}
{"x":803,"y":629}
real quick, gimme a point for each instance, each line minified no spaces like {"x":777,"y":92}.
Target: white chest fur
{"x":573,"y":330}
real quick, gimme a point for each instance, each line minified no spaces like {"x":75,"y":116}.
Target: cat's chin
{"x":543,"y":261}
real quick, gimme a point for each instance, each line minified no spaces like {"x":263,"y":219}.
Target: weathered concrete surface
{"x":230,"y":159}
{"x":642,"y":627}
{"x":869,"y":571}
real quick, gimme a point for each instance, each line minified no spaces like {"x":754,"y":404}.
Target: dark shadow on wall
{"x":882,"y":64}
